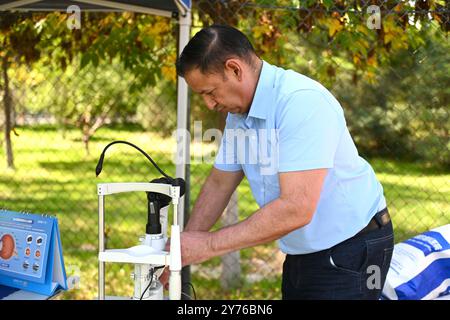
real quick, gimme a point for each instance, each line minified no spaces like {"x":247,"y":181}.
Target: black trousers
{"x":353,"y":269}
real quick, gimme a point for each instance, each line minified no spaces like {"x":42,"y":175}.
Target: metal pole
{"x":183,"y":150}
{"x":101,"y":246}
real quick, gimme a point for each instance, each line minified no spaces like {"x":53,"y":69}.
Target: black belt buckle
{"x":382,"y":218}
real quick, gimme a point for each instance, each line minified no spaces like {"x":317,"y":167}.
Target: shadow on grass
{"x":130,"y":127}
{"x":407,"y":168}
{"x":96,"y":138}
{"x":112,"y":165}
{"x":39,"y":128}
{"x":408,"y":193}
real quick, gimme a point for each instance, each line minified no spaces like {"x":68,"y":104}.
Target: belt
{"x":379,"y":220}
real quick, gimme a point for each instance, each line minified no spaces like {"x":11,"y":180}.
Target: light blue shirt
{"x":296,"y":124}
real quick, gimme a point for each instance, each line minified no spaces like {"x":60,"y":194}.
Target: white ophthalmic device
{"x":149,"y":257}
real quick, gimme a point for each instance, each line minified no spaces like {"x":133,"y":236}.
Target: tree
{"x":88,"y":98}
{"x":18,"y":39}
{"x":120,"y":55}
{"x":336,"y":33}
{"x":141,"y":44}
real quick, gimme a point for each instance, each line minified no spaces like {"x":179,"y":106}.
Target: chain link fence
{"x":386,"y":61}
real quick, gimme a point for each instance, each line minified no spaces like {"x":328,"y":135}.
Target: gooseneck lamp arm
{"x":99,"y":167}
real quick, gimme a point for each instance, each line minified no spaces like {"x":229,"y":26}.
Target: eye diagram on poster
{"x":30,"y":254}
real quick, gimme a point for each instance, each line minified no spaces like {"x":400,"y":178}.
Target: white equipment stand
{"x":150,"y":253}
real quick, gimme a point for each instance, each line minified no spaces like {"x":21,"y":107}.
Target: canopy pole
{"x":183,"y":139}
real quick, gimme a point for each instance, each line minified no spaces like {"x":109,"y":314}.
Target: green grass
{"x":418,"y":195}
{"x":55,"y":176}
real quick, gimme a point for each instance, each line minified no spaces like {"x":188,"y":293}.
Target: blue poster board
{"x":30,"y":254}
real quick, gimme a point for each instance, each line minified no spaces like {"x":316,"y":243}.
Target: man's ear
{"x":234,"y":67}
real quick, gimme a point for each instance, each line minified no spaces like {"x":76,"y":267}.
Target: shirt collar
{"x":264,"y":88}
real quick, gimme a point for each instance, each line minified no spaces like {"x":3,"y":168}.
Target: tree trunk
{"x":231,"y":263}
{"x":86,"y":144}
{"x":88,"y":129}
{"x":7,"y":103}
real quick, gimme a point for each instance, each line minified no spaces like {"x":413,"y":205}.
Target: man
{"x":322,"y":201}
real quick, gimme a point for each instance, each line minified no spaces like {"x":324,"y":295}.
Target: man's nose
{"x":210,"y":102}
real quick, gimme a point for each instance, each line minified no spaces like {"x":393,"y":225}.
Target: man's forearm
{"x":210,"y":204}
{"x":271,"y":222}
{"x":207,"y":209}
{"x":299,"y":197}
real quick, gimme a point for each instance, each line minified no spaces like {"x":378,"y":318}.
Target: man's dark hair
{"x":211,"y":47}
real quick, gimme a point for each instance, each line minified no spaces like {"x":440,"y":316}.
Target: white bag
{"x":420,"y":267}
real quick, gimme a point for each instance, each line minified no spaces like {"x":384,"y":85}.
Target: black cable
{"x":193,"y":291}
{"x":98,"y":169}
{"x":151,"y":280}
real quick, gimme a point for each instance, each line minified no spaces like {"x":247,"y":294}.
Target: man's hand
{"x":164,"y":278}
{"x":195,"y":248}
